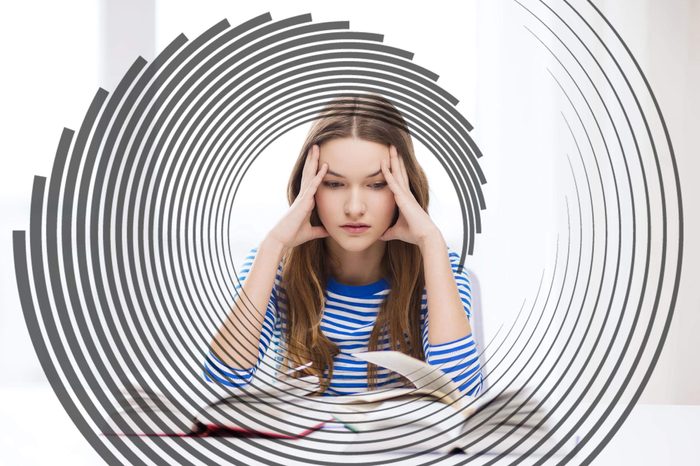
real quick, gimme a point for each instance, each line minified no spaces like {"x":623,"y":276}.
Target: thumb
{"x":319,"y":232}
{"x":388,"y":235}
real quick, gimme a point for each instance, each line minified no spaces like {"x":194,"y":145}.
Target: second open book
{"x":433,"y":414}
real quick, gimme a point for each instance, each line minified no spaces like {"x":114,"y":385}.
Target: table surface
{"x":653,"y":434}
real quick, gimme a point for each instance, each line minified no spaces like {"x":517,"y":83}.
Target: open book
{"x":433,"y":412}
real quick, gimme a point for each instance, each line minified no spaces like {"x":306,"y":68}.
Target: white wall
{"x":665,"y":37}
{"x":50,"y":74}
{"x":518,"y":126}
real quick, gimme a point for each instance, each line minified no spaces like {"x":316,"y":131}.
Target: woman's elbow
{"x":215,"y":371}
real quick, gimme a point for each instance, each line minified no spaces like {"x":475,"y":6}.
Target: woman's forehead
{"x":352,"y":157}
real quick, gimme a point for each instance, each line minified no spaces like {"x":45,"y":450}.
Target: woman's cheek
{"x":388,"y":207}
{"x":321,"y":201}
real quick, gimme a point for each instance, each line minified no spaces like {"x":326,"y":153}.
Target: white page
{"x":426,"y":378}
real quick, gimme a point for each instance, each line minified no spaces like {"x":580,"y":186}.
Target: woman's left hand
{"x":414,"y":225}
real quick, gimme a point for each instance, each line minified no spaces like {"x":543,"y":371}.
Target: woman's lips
{"x":355,"y":230}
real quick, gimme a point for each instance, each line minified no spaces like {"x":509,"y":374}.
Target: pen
{"x":350,"y":427}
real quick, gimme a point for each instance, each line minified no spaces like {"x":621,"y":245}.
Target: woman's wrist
{"x":270,"y":243}
{"x":431,"y":238}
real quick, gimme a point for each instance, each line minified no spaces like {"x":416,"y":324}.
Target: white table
{"x":652,"y":435}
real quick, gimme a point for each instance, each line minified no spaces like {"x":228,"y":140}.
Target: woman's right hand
{"x":295,"y":227}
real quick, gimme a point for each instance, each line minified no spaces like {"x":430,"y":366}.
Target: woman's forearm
{"x":448,"y":321}
{"x":236,"y":342}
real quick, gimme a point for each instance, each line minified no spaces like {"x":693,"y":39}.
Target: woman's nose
{"x":355,"y":205}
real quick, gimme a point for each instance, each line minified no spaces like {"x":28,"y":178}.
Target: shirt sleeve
{"x":458,"y":358}
{"x":214,"y":369}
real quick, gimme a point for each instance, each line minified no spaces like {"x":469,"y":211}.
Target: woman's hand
{"x":414,"y":225}
{"x":295,"y":227}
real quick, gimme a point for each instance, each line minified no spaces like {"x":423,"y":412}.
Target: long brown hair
{"x":306,"y":266}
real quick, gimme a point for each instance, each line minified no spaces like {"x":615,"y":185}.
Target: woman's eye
{"x":335,"y":184}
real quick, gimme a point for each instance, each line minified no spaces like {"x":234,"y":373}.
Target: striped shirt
{"x":348,"y":317}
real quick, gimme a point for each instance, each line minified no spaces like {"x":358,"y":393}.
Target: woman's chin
{"x":354,"y":243}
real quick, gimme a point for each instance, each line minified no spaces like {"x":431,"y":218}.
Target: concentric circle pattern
{"x":127,"y":270}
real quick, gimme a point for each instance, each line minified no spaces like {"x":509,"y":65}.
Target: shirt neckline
{"x":356,"y":291}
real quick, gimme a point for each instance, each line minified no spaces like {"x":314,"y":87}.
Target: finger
{"x":307,"y":195}
{"x":402,"y":164}
{"x":310,"y":165}
{"x":396,"y":165}
{"x":316,"y":180}
{"x":389,"y":177}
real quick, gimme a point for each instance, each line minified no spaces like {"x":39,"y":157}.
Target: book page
{"x":426,"y":378}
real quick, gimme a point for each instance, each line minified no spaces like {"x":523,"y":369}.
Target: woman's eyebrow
{"x":331,"y":172}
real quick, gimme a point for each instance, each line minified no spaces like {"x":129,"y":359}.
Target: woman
{"x":356,"y":264}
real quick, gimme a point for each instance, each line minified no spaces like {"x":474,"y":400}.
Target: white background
{"x":55,"y":56}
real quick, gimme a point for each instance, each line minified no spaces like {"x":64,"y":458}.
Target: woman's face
{"x":354,"y":191}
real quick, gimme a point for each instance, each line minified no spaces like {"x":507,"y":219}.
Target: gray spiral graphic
{"x":127,"y":269}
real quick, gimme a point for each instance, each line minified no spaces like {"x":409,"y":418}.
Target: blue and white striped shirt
{"x":348,"y":317}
